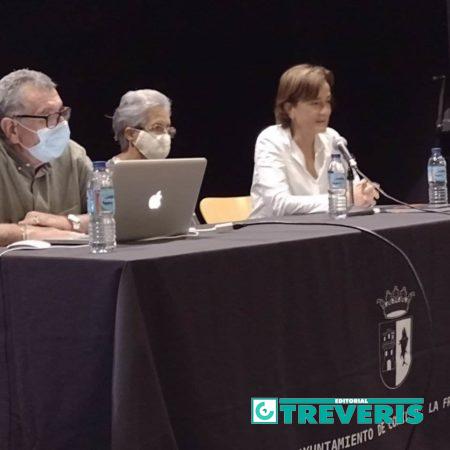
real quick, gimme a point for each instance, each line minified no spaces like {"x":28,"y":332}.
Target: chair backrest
{"x":225,"y":209}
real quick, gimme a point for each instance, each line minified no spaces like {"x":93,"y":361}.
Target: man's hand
{"x":366,"y":193}
{"x":37,"y":232}
{"x":40,"y":219}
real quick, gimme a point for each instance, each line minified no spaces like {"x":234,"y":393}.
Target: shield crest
{"x":395,"y":349}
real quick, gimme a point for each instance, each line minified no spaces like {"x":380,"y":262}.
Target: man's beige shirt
{"x":58,"y":187}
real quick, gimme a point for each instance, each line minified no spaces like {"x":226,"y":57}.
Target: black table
{"x":162,"y":345}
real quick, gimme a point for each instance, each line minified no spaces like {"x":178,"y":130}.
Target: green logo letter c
{"x":262,"y":413}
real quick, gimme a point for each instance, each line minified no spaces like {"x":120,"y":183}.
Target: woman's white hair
{"x":133,"y":111}
{"x":11,"y":89}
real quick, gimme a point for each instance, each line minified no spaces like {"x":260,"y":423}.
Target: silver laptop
{"x":153,"y":198}
{"x":156,"y":197}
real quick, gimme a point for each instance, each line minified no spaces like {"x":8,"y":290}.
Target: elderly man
{"x":43,"y":174}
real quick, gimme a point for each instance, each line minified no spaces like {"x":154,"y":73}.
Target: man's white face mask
{"x":152,"y":145}
{"x":52,"y":142}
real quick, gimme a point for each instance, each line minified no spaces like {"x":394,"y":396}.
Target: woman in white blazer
{"x":292,"y":157}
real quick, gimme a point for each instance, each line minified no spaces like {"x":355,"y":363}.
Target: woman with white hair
{"x":141,"y":125}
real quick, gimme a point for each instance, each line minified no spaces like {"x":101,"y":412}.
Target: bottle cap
{"x":99,"y":165}
{"x":436,"y":150}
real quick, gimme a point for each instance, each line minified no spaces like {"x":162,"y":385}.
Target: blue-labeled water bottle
{"x":337,"y":188}
{"x":437,"y":178}
{"x":101,"y":207}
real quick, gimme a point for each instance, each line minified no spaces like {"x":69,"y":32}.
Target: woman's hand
{"x":366,"y":193}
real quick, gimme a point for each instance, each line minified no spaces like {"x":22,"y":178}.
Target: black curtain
{"x":220,"y":62}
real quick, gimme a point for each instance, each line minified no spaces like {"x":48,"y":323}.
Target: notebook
{"x":156,"y":197}
{"x":153,"y":198}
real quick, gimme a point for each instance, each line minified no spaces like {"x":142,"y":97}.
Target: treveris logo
{"x":328,"y":411}
{"x":264,"y":410}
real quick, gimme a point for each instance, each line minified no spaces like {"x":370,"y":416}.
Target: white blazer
{"x":281,"y":183}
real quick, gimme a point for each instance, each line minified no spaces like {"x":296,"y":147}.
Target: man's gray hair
{"x":133,"y":111}
{"x":11,"y":86}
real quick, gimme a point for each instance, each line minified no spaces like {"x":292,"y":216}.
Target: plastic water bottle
{"x":101,"y":206}
{"x":337,"y":188}
{"x":437,"y":178}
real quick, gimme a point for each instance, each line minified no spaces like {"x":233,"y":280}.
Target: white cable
{"x":192,"y":233}
{"x":9,"y":250}
{"x":218,"y":228}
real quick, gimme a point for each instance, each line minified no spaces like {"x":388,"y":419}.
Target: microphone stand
{"x":351,"y":163}
{"x":350,"y":179}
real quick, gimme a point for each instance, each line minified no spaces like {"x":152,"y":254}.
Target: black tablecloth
{"x":162,"y":345}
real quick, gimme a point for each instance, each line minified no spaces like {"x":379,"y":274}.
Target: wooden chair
{"x":225,"y":209}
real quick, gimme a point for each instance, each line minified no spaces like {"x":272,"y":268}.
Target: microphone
{"x":341,"y":144}
{"x":439,"y":118}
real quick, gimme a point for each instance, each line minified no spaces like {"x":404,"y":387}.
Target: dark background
{"x":220,"y":63}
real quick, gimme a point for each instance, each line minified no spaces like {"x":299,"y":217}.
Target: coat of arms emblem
{"x":395,"y":337}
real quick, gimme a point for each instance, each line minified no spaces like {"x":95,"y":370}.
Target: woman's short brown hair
{"x":301,"y":82}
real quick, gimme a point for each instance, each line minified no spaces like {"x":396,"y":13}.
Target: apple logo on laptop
{"x":154,"y":202}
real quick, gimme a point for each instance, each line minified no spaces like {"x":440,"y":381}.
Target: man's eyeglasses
{"x":51,"y":120}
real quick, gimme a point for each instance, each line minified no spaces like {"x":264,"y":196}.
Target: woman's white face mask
{"x":153,"y":146}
